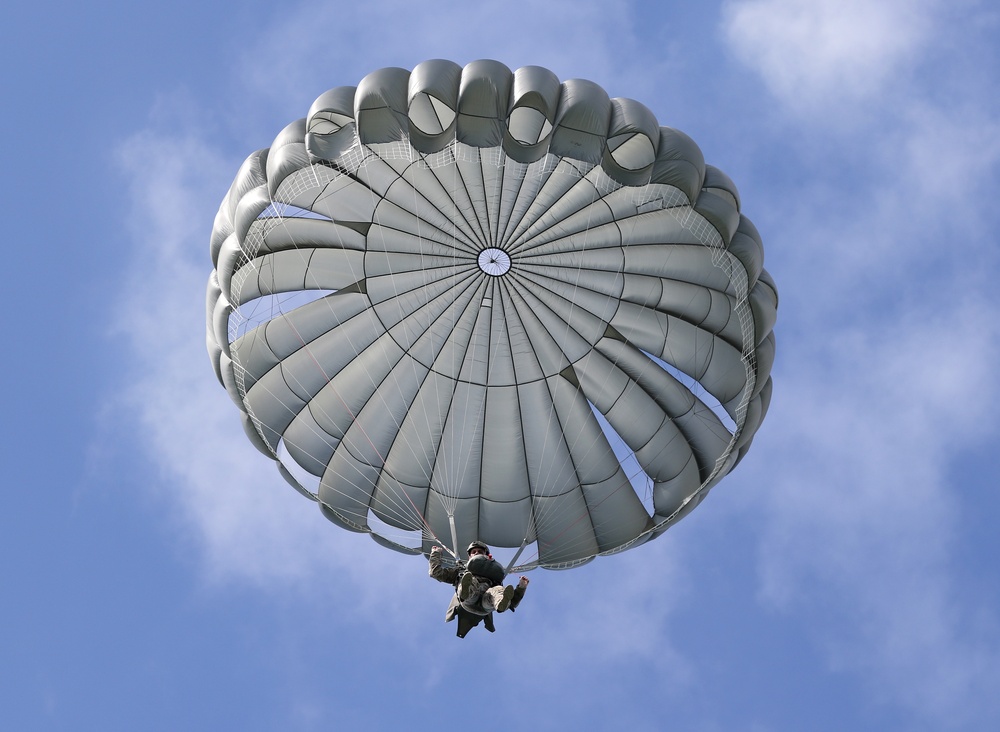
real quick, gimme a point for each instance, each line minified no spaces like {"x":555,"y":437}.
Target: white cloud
{"x":887,"y":383}
{"x":860,"y":521}
{"x":827,"y":53}
{"x":887,"y":336}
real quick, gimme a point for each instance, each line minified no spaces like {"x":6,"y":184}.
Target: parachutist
{"x":479,"y":588}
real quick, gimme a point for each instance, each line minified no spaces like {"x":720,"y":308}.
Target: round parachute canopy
{"x":474,"y":303}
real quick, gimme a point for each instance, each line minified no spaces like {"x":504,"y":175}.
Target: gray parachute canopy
{"x":470,"y":303}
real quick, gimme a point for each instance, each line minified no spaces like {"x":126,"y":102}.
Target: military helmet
{"x":479,"y":545}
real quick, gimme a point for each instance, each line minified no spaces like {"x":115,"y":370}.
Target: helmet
{"x":478,"y":545}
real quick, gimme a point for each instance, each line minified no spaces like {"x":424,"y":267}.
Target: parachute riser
{"x":454,"y":535}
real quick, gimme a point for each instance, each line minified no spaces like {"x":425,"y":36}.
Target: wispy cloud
{"x":886,"y":378}
{"x":860,"y":521}
{"x":825,"y":54}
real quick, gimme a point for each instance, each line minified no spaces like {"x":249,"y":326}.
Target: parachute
{"x":461,"y":303}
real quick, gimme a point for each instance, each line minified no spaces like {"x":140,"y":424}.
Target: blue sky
{"x":159,"y":575}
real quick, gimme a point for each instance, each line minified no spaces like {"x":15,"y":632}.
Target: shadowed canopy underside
{"x":470,"y":303}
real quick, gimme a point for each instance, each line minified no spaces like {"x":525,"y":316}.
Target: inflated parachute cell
{"x":470,"y":303}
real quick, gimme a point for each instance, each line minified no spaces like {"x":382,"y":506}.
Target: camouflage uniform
{"x":487,"y":589}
